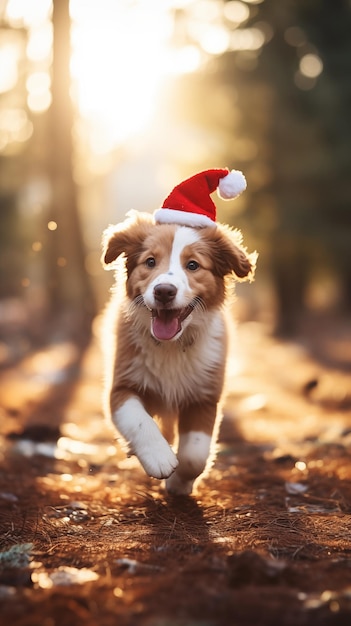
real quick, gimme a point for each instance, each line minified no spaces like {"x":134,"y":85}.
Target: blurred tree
{"x":331,"y":33}
{"x":42,"y":255}
{"x":12,"y":117}
{"x":10,"y":247}
{"x":295,"y":161}
{"x":310,"y":139}
{"x":70,"y":289}
{"x":294,"y":98}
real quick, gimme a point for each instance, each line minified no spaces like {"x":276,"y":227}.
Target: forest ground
{"x":87,"y":538}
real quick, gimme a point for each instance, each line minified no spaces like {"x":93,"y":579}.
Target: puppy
{"x":167,"y":339}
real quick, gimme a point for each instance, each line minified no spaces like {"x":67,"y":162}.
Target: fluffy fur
{"x":167,"y":340}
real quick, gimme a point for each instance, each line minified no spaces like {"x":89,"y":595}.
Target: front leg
{"x":196,"y":424}
{"x":144,"y":438}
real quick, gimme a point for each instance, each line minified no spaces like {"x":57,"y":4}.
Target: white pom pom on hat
{"x":190,"y":204}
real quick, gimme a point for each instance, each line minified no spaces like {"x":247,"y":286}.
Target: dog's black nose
{"x":165,"y":293}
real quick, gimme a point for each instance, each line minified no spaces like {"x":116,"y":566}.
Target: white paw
{"x":145,"y":439}
{"x":178,"y":486}
{"x":158,"y":461}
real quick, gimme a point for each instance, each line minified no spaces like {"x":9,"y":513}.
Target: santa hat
{"x":190,"y":204}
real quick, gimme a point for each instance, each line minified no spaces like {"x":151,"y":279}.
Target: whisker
{"x":198,"y":303}
{"x":135,"y":304}
{"x":139,"y":300}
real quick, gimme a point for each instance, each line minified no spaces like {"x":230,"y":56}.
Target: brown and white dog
{"x":168,"y":337}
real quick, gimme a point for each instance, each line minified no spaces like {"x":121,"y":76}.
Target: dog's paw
{"x":177,"y":486}
{"x":158,"y":462}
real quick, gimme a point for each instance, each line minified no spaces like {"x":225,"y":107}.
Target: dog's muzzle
{"x":166,"y":322}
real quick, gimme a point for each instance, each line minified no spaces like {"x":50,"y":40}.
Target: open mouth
{"x":167,"y":323}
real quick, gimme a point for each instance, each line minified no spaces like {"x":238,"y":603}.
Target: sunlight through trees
{"x":154,"y":91}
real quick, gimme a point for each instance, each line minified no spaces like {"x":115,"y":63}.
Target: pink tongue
{"x":165,"y":326}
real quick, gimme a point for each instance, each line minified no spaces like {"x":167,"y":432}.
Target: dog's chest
{"x":177,"y":371}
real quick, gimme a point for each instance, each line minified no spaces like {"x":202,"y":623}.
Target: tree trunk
{"x":69,"y":286}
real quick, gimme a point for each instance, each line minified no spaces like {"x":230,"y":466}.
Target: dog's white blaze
{"x":145,"y":439}
{"x":175,"y":274}
{"x":183,"y":237}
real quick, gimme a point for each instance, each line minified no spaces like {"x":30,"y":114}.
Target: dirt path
{"x":87,"y":538}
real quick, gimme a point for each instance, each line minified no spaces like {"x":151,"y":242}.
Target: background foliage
{"x":271,"y":97}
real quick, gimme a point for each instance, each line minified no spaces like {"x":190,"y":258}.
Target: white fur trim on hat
{"x":183,"y":218}
{"x":232,"y":185}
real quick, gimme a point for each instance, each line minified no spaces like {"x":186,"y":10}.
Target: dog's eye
{"x":192,"y":266}
{"x":150,"y":262}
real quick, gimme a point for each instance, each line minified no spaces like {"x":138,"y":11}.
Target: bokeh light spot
{"x":236,"y":11}
{"x":311,"y":65}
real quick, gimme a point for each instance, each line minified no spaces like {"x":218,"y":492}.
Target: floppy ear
{"x":229,"y":254}
{"x":125,"y":238}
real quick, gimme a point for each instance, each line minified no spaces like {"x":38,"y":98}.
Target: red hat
{"x":190,"y":204}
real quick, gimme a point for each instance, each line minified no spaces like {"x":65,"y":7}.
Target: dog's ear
{"x":125,"y":238}
{"x":229,"y":255}
{"x":114,"y":243}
